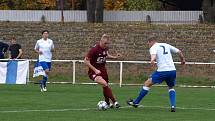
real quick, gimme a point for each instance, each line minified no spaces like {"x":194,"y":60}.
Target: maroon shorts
{"x":103,"y":74}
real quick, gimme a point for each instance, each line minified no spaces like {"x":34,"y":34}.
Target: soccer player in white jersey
{"x":166,"y":71}
{"x":44,"y":47}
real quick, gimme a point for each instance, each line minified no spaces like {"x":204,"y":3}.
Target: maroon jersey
{"x":97,"y":57}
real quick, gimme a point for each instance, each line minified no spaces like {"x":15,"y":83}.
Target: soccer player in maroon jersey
{"x":96,"y":60}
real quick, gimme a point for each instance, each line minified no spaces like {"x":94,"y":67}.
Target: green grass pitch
{"x":67,"y":102}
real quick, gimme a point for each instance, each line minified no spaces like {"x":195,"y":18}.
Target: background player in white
{"x":44,"y":47}
{"x":166,"y":71}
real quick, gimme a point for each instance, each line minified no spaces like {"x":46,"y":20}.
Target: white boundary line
{"x":87,"y":109}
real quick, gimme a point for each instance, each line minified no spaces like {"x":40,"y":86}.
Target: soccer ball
{"x":102,"y":105}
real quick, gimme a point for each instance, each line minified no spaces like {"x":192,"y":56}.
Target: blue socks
{"x":43,"y":82}
{"x":145,"y":90}
{"x":142,"y":94}
{"x":172,"y":97}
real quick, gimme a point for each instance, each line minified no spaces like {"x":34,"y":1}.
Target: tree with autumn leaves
{"x":77,"y":4}
{"x":95,"y":7}
{"x":27,"y":4}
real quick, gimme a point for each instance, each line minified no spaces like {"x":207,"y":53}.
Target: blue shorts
{"x":167,"y":76}
{"x":46,"y":65}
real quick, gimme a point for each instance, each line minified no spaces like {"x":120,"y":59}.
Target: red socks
{"x":107,"y":92}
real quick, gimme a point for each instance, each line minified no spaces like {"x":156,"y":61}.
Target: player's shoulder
{"x":155,"y":46}
{"x":50,"y":40}
{"x":166,"y":45}
{"x":162,"y":43}
{"x":40,"y":40}
{"x":94,"y":47}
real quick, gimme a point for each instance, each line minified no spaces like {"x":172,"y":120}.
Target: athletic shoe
{"x":110,"y":105}
{"x":44,"y":89}
{"x":116,"y":105}
{"x":172,"y":109}
{"x":130,"y":102}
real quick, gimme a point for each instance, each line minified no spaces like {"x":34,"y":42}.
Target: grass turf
{"x":78,"y":103}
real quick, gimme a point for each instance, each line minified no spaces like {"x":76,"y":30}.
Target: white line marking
{"x":48,"y":110}
{"x":87,"y":109}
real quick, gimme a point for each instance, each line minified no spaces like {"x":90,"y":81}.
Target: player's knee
{"x":171,"y":90}
{"x":171,"y":87}
{"x":146,"y":88}
{"x":101,"y":81}
{"x":47,"y":71}
{"x":104,"y":84}
{"x":148,"y":83}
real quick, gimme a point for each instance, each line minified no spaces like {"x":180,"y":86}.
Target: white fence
{"x":121,"y":70}
{"x":109,"y":16}
{"x":74,"y":62}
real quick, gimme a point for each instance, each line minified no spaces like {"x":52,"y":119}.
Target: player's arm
{"x":153,"y":59}
{"x":181,"y":56}
{"x":5,"y":47}
{"x":153,"y":55}
{"x":9,"y":54}
{"x":87,"y":62}
{"x":36,"y":49}
{"x":52,"y":47}
{"x":113,"y":57}
{"x":20,"y":53}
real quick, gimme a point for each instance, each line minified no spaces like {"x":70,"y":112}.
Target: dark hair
{"x":151,"y":38}
{"x":13,"y":38}
{"x":45,"y":31}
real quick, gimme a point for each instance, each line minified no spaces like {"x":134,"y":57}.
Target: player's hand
{"x":152,"y":63}
{"x":183,"y":62}
{"x":40,"y":52}
{"x":97,"y":72}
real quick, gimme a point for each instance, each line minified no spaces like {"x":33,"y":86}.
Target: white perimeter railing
{"x":120,"y":68}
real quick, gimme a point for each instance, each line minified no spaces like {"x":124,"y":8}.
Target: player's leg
{"x":45,"y":78}
{"x":143,"y":92}
{"x":106,"y":89}
{"x":104,"y":84}
{"x":155,"y":78}
{"x":112,"y":98}
{"x":107,"y":92}
{"x":172,"y":93}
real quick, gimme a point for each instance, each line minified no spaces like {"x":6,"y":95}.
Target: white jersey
{"x":163,"y":56}
{"x":45,"y":46}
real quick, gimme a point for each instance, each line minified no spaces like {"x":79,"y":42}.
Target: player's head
{"x":45,"y":34}
{"x":13,"y":40}
{"x":151,"y":41}
{"x":105,"y":41}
